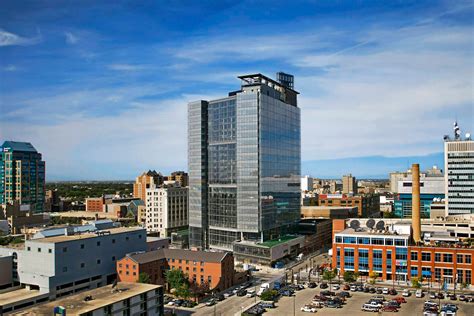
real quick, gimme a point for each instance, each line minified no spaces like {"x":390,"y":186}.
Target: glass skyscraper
{"x":244,"y":156}
{"x":22,"y":175}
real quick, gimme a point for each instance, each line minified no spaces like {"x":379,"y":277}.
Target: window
{"x":64,"y":249}
{"x":467,"y":259}
{"x":377,"y":241}
{"x":414,"y":271}
{"x":349,"y":240}
{"x":414,"y":256}
{"x":50,"y":250}
{"x":126,"y":238}
{"x":447,"y":257}
{"x":447,"y":272}
{"x":425,"y":256}
{"x":64,"y":269}
{"x":98,"y":261}
{"x":113,"y":258}
{"x":459,"y":258}
{"x":400,"y":242}
{"x":28,"y":248}
{"x":338,"y":239}
{"x":437,"y":273}
{"x":98,"y":243}
{"x":82,"y":246}
{"x":113,"y":241}
{"x":437,"y":257}
{"x":377,"y":260}
{"x":389,"y":241}
{"x":363,"y":240}
{"x":39,"y":249}
{"x":83,"y":265}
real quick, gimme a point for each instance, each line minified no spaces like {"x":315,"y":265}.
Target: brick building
{"x":95,"y":204}
{"x":367,"y":205}
{"x":388,"y":249}
{"x":214,"y":268}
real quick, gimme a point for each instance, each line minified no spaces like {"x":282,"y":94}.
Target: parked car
{"x":400,"y":299}
{"x":353,"y":288}
{"x":267,"y":304}
{"x":312,"y":285}
{"x":392,"y":303}
{"x":440,"y":296}
{"x":241,"y":293}
{"x":370,"y":308}
{"x":419,"y":293}
{"x":229,"y":294}
{"x":389,"y":308}
{"x":432,"y":295}
{"x":385,"y":290}
{"x":406,"y":293}
{"x":211,"y":302}
{"x":375,"y":303}
{"x":328,"y":293}
{"x":372,"y":290}
{"x":378,"y":297}
{"x":333,"y":304}
{"x":299,"y":287}
{"x":285,"y":293}
{"x":346,"y":287}
{"x":335,"y":287}
{"x":178,"y":302}
{"x":430,"y":313}
{"x":366,"y":289}
{"x":462,"y":298}
{"x":309,"y":309}
{"x":378,"y":290}
{"x":344,"y":294}
{"x":189,"y":303}
{"x":250,"y":293}
{"x":452,"y":297}
{"x":219,"y":297}
{"x":392,"y":292}
{"x":323,"y":285}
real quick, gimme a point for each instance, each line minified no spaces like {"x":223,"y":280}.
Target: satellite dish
{"x":468,"y":136}
{"x":355,"y":224}
{"x":370,"y":223}
{"x":380,"y":225}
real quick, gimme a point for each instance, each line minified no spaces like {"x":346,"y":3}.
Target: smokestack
{"x":415,"y":202}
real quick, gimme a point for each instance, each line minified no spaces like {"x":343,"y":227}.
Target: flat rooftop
{"x":77,"y":236}
{"x":18,"y":295}
{"x":274,"y":242}
{"x":364,"y":231}
{"x":101,"y":297}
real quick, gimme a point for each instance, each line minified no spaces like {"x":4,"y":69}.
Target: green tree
{"x":183,"y":291}
{"x":349,"y":276}
{"x":144,"y":278}
{"x":329,"y":275}
{"x":373,"y":276}
{"x":269,"y":295}
{"x":415,"y":283}
{"x":177,"y":280}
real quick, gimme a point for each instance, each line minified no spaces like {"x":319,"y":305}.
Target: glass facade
{"x":244,"y":166}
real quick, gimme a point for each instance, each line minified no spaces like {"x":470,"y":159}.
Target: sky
{"x":101,"y":88}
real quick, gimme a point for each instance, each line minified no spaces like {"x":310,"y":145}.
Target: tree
{"x":373,"y":276}
{"x":464,"y":285}
{"x":269,"y":295}
{"x":328,"y":275}
{"x":183,"y":291}
{"x":415,"y":283}
{"x":176,"y":279}
{"x":198,"y":289}
{"x":349,"y":276}
{"x":144,"y":278}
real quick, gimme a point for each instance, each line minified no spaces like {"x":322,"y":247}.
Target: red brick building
{"x":95,"y":204}
{"x":213,"y":268}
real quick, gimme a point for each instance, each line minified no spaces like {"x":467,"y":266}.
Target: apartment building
{"x":166,"y":208}
{"x":123,"y":299}
{"x":216,"y":269}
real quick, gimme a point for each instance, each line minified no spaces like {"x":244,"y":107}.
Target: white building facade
{"x":166,"y":209}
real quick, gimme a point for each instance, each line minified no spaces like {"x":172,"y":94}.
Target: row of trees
{"x":179,"y":284}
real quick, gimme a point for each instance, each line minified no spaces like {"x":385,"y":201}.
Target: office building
{"x":166,"y":208}
{"x":59,"y":262}
{"x":244,"y":164}
{"x":306,"y":183}
{"x":367,"y":205}
{"x":459,"y":174}
{"x":123,"y":299}
{"x":179,"y":176}
{"x":213,"y":269}
{"x":431,"y":189}
{"x":144,"y":182}
{"x":349,"y":184}
{"x":386,"y":247}
{"x":22,"y":175}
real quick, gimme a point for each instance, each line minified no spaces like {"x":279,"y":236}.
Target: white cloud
{"x":126,"y":67}
{"x":71,"y":38}
{"x":10,"y":68}
{"x":10,"y":39}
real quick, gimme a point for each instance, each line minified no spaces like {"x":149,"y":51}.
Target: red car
{"x":400,"y":299}
{"x":389,"y":309}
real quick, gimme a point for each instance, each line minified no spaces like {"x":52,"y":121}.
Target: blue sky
{"x":100,"y":88}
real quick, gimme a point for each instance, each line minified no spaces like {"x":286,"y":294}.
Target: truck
{"x":275,"y":283}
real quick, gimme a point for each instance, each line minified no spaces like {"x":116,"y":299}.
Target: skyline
{"x":115,"y":79}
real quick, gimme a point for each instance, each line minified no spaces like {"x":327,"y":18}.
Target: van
{"x":250,"y":293}
{"x":370,"y":308}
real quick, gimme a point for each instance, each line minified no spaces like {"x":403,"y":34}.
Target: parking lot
{"x":414,"y":306}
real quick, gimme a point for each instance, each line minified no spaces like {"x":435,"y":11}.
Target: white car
{"x":353,"y":288}
{"x":170,"y":303}
{"x":406,"y":293}
{"x":228,"y":294}
{"x":419,"y":293}
{"x":309,"y":309}
{"x":385,"y":290}
{"x":370,"y":308}
{"x":335,"y":287}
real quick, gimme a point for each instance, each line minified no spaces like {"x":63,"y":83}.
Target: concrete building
{"x":244,"y":159}
{"x":459,"y":175}
{"x":431,"y":189}
{"x":394,"y":178}
{"x":77,"y":259}
{"x":349,"y":184}
{"x":166,"y":208}
{"x":179,"y":176}
{"x":306,"y":183}
{"x":213,"y":269}
{"x":332,"y":212}
{"x":22,"y":217}
{"x":124,"y":299}
{"x":359,"y":245}
{"x":22,"y":175}
{"x":144,"y":182}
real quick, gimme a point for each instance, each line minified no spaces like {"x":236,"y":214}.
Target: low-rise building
{"x":367,"y":205}
{"x":6,"y":271}
{"x":308,"y":212}
{"x":22,"y":216}
{"x":216,"y":269}
{"x":74,"y":261}
{"x":122,"y":299}
{"x":95,"y":204}
{"x":318,"y":235}
{"x":270,"y":251}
